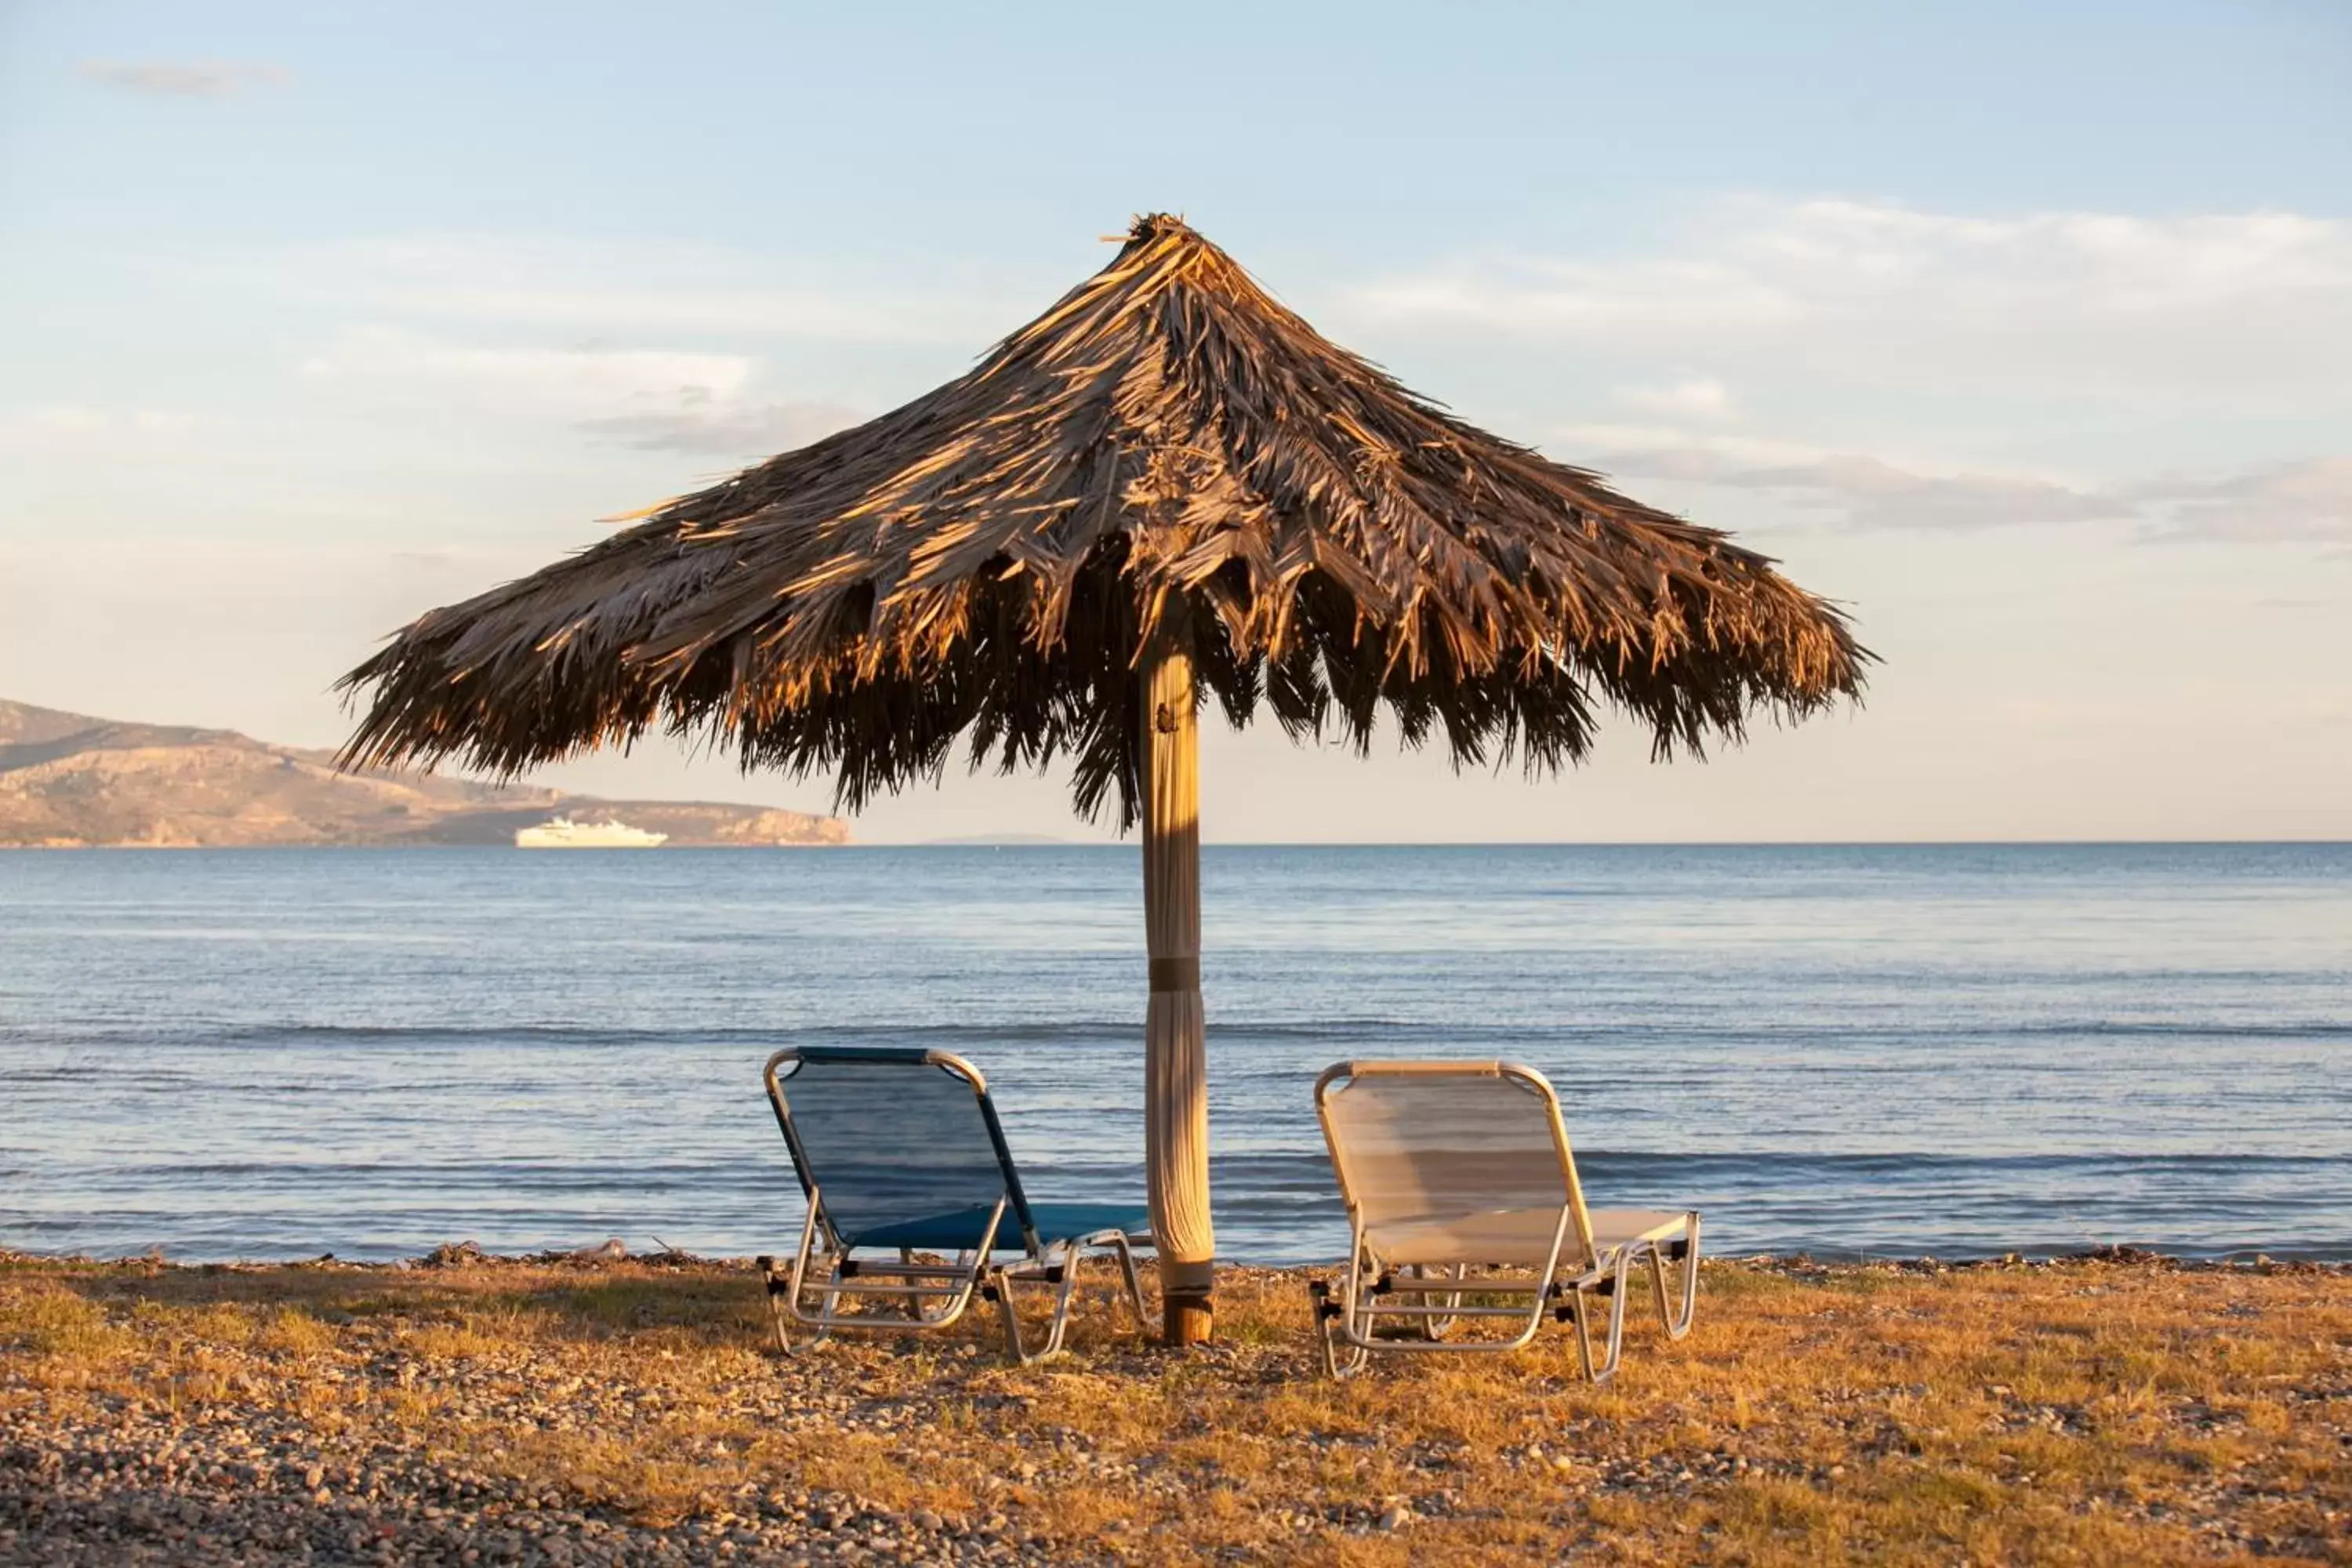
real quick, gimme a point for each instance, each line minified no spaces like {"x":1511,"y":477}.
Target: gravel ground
{"x":97,"y":1479}
{"x":112,"y":1481}
{"x":135,"y":1428}
{"x":226,"y":1489}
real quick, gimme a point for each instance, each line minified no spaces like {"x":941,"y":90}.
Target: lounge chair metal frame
{"x":1442,"y":1295}
{"x":933,"y":1294}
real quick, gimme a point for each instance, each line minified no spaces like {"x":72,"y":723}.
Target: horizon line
{"x":1018,"y":842}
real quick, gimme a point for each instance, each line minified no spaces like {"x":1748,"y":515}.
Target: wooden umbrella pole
{"x":1176,"y":1068}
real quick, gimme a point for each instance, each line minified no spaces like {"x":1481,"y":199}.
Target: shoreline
{"x":1407,"y":845}
{"x":1798,"y":1262}
{"x":579,"y":1407}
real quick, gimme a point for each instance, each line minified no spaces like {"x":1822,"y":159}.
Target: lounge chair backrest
{"x":889,"y":1135}
{"x":1417,"y":1141}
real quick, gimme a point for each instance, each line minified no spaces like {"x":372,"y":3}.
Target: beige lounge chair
{"x":1455,"y":1167}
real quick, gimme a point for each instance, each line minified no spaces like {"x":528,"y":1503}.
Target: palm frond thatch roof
{"x":1167,"y":451}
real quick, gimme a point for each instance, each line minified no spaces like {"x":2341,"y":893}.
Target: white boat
{"x":562,"y":833}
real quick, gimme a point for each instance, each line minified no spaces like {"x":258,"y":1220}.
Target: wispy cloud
{"x":2304,"y":501}
{"x":1865,"y":492}
{"x":77,"y":426}
{"x":1701,"y":397}
{"x":589,"y":377}
{"x":192,"y":78}
{"x":649,"y":399}
{"x":716,"y":426}
{"x":2206,"y":303}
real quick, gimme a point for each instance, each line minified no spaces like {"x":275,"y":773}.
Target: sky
{"x":2022,"y":330}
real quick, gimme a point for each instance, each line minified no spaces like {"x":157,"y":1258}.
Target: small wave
{"x":1450,"y":1037}
{"x":2324,"y":1030}
{"x":1905,"y":1162}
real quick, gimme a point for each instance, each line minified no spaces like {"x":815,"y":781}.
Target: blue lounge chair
{"x":901,"y":1154}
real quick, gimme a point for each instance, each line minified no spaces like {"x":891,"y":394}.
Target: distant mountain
{"x":67,"y":779}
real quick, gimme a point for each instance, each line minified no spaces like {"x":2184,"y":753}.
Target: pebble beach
{"x":601,"y":1409}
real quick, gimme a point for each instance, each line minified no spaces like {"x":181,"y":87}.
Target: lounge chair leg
{"x":1673,"y":1317}
{"x":1000,"y":1285}
{"x":1061,"y":1324}
{"x":1134,"y":1283}
{"x":912,"y":1305}
{"x":1340,"y":1359}
{"x":1336,"y":1364}
{"x":830,"y":1300}
{"x":1343,"y":1322}
{"x":775,"y":1285}
{"x":1437,"y":1328}
{"x":1582,"y":1305}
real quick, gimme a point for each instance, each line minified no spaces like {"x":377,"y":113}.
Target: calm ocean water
{"x":1884,"y":1050}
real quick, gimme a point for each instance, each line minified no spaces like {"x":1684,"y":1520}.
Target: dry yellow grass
{"x":2085,"y":1412}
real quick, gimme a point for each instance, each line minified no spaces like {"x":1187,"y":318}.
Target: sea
{"x":1885,"y":1051}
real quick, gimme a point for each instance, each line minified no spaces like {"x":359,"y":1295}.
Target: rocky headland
{"x":72,"y":781}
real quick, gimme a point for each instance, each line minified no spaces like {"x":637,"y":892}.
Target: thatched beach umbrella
{"x":1167,"y":485}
